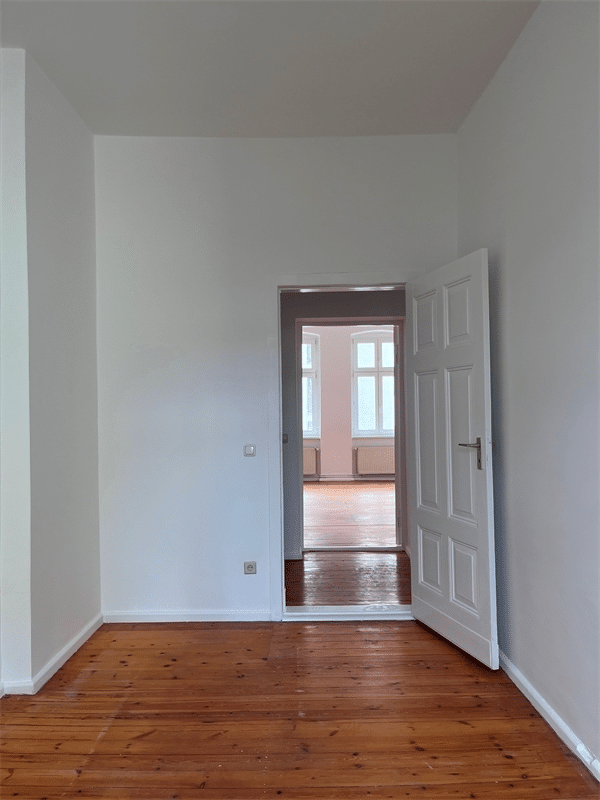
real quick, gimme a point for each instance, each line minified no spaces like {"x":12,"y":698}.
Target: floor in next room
{"x":353,"y":514}
{"x":349,"y":515}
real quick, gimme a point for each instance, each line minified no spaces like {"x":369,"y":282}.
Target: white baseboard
{"x":354,"y":613}
{"x":19,"y":687}
{"x":385,"y":477}
{"x":336,"y":478}
{"x":187,"y":615}
{"x":556,"y":722}
{"x":56,"y":662}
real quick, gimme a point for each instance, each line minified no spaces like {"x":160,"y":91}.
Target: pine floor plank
{"x":292,"y":710}
{"x":353,"y":514}
{"x":346,"y":578}
{"x":360,"y":515}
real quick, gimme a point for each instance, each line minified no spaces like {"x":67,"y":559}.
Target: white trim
{"x":187,"y":615}
{"x":377,"y":335}
{"x":55,"y":663}
{"x":314,"y":372}
{"x":272,"y":288}
{"x":372,"y":548}
{"x":19,"y":687}
{"x":338,"y":281}
{"x":339,"y":478}
{"x":385,"y":477}
{"x":556,"y":722}
{"x":338,"y":613}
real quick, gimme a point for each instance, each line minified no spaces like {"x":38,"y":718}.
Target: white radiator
{"x":374,"y":460}
{"x":311,"y":461}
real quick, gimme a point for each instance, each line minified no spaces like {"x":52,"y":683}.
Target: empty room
{"x":172,"y":173}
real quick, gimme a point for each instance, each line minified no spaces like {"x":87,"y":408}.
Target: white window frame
{"x":377,"y":337}
{"x":315,"y":373}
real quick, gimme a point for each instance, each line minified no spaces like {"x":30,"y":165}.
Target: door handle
{"x":477,"y":446}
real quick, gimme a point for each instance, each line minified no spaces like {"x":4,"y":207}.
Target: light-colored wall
{"x":193,"y":238}
{"x":336,"y":405}
{"x":55,"y":541}
{"x":65,"y":560}
{"x":15,"y":484}
{"x":528,"y":190}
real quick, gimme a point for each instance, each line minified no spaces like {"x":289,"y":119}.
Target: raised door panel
{"x":425,"y":323}
{"x":430,"y":560}
{"x":461,"y":460}
{"x":456,"y":313}
{"x":463,"y":575}
{"x":426,"y":391}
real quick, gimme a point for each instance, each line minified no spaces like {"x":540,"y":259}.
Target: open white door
{"x":450,"y":477}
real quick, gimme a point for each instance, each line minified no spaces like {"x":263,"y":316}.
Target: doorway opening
{"x":344,"y":462}
{"x":348,"y":433}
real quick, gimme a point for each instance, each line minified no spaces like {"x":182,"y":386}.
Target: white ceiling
{"x":267,"y":68}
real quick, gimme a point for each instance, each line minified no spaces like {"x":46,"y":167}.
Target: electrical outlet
{"x":249,"y":567}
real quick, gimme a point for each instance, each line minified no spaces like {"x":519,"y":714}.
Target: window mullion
{"x":379,"y":401}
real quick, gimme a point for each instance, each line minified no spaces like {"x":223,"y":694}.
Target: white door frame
{"x":321,"y":282}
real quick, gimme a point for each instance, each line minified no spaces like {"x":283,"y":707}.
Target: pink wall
{"x":336,"y":406}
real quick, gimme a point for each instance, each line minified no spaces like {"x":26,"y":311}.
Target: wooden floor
{"x":239,"y":711}
{"x":349,"y":514}
{"x":348,"y":579}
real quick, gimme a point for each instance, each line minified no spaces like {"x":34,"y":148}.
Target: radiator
{"x":374,"y":460}
{"x":311,"y":461}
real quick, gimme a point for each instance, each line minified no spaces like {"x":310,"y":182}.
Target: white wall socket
{"x":249,"y":567}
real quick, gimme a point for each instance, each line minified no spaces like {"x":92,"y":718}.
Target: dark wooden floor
{"x":236,"y":711}
{"x":342,"y":578}
{"x":359,"y":514}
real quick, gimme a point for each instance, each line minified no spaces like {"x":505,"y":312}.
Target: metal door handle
{"x":477,"y":446}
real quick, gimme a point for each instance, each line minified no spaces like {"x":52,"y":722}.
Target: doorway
{"x":344,"y":501}
{"x":348,"y":437}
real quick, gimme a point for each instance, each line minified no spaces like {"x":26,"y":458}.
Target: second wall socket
{"x":249,"y":567}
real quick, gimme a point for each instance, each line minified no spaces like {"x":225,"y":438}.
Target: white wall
{"x":50,"y":535}
{"x":193,"y":238}
{"x":65,"y":571}
{"x":528,"y":190}
{"x":15,"y":471}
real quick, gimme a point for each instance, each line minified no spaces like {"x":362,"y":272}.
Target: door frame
{"x":330,"y":283}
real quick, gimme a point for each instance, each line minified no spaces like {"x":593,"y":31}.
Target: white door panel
{"x":450,"y":497}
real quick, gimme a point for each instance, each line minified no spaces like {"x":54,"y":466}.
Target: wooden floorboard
{"x":238,"y":711}
{"x":348,"y":579}
{"x":351,"y":515}
{"x":359,"y":514}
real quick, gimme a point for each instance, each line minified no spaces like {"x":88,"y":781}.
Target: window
{"x":311,"y":390}
{"x":373,"y":406}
